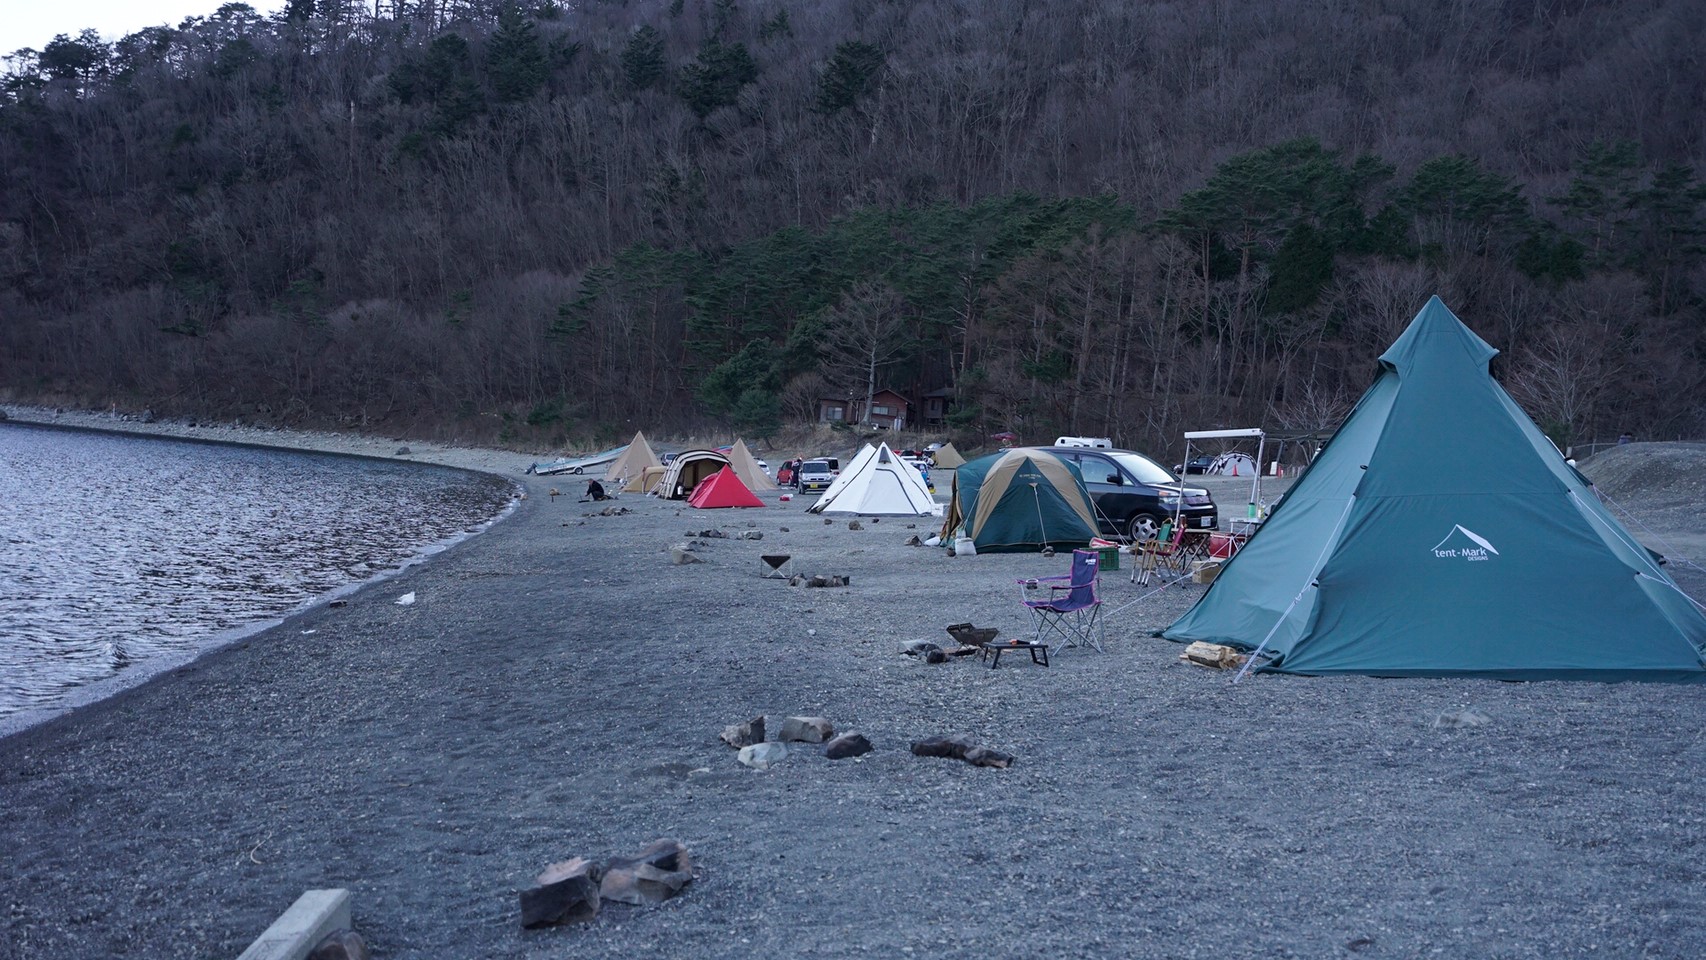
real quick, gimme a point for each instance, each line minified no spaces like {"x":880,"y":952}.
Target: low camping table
{"x":1039,"y":651}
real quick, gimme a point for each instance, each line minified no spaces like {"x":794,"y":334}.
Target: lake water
{"x":117,"y":551}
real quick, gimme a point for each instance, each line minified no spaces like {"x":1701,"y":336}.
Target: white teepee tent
{"x":878,"y":483}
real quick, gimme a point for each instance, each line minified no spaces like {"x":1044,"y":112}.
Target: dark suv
{"x":1133,"y":494}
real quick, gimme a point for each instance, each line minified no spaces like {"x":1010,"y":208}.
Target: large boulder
{"x":744,"y":734}
{"x":760,"y":756}
{"x":849,"y":744}
{"x":654,"y":875}
{"x":806,"y":730}
{"x":566,"y":892}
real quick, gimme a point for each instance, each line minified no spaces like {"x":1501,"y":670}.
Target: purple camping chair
{"x":1072,"y":608}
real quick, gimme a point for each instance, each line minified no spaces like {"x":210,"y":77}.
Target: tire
{"x":577,"y":471}
{"x":1144,"y":526}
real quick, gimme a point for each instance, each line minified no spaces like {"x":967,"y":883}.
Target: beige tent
{"x":632,"y":463}
{"x":747,"y":468}
{"x":686,"y":470}
{"x":948,"y":458}
{"x":645,"y":481}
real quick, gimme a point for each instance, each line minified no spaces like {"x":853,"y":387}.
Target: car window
{"x":1099,"y":470}
{"x":1143,"y":468}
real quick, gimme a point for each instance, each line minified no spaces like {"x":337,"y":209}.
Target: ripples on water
{"x":117,"y":549}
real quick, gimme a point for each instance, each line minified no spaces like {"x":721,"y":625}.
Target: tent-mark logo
{"x":1468,"y":545}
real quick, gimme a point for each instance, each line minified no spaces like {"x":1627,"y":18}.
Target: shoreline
{"x":84,"y":696}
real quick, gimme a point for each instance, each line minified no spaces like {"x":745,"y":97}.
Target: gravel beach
{"x":558,"y":687}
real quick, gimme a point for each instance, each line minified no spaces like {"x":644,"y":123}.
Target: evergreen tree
{"x":642,"y":58}
{"x":715,"y":77}
{"x":515,"y":59}
{"x":853,"y":72}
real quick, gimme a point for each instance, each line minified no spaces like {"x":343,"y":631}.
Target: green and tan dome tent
{"x":1441,"y":534}
{"x":1020,"y":500}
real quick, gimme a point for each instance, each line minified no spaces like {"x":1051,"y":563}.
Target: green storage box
{"x":1110,"y":559}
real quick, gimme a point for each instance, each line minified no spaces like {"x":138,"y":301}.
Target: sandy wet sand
{"x":558,"y":687}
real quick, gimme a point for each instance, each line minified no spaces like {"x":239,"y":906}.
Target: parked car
{"x":665,"y":459}
{"x":1200,"y":464}
{"x":814,"y":475}
{"x":785,"y":472}
{"x":1134,"y":495}
{"x":762,"y":466}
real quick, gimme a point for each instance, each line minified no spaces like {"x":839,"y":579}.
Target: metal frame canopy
{"x":1241,"y":433}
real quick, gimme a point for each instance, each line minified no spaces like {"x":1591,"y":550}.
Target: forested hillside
{"x":540,"y":222}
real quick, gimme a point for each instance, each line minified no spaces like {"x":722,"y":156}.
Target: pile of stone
{"x":571,"y":891}
{"x":760,"y":754}
{"x":819,"y":580}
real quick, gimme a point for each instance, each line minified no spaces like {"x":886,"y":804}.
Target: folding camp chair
{"x":1173,"y":549}
{"x":1072,"y":608}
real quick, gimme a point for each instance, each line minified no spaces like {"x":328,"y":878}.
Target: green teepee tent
{"x":1441,"y":534}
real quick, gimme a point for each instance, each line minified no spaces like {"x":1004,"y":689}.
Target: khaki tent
{"x":645,"y":481}
{"x":948,"y":458}
{"x":747,"y":468}
{"x":686,"y":470}
{"x":1020,"y":500}
{"x":632,"y":463}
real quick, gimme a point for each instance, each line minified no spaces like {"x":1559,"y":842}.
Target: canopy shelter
{"x":1230,"y":464}
{"x":686,"y":470}
{"x":877,"y":483}
{"x":632,"y":463}
{"x":1440,"y":533}
{"x":746,"y":467}
{"x":1020,"y":500}
{"x":947,"y":457}
{"x":723,"y":489}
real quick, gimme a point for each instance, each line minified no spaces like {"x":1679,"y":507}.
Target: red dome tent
{"x":723,"y":489}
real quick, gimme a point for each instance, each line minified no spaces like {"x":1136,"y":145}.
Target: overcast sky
{"x":32,"y":23}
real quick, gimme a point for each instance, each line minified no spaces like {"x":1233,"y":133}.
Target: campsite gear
{"x":723,"y":489}
{"x":747,"y":468}
{"x":1038,"y":651}
{"x":877,"y":483}
{"x":1020,"y":500}
{"x":1173,"y":548}
{"x":687,"y":469}
{"x":1072,"y":608}
{"x":777,"y":566}
{"x":632,"y":463}
{"x":1440,"y":533}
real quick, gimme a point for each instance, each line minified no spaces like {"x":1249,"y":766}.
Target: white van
{"x":1100,"y":443}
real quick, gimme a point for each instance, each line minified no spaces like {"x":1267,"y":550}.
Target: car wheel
{"x":1145,"y":526}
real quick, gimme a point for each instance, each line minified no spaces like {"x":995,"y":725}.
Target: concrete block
{"x":294,"y":934}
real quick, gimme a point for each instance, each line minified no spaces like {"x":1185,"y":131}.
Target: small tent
{"x":746,"y":467}
{"x":1020,"y":500}
{"x":723,"y":489}
{"x":948,"y":458}
{"x":1440,"y":533}
{"x":878,"y":483}
{"x":1235,"y":464}
{"x":646,"y":481}
{"x":686,"y":470}
{"x":632,"y":463}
